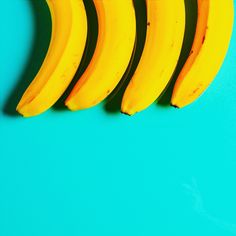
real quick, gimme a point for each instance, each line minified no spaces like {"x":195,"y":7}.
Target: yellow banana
{"x":69,"y":34}
{"x":115,"y":44}
{"x":213,"y":33}
{"x":165,"y":33}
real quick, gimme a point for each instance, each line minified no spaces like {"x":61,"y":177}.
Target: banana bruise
{"x":68,"y":39}
{"x":212,"y":38}
{"x":115,"y":44}
{"x":165,"y":33}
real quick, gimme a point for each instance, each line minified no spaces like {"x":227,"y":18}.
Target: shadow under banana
{"x":88,"y":53}
{"x":190,"y":29}
{"x":42,"y":25}
{"x":113,"y":102}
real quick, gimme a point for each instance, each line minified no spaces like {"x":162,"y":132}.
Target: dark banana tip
{"x":175,"y":106}
{"x":125,"y":113}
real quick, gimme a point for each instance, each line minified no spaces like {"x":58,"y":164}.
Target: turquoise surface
{"x":96,"y":172}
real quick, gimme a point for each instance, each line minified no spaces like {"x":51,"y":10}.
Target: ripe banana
{"x":165,"y":33}
{"x":69,"y":34}
{"x":213,"y":33}
{"x":115,"y":44}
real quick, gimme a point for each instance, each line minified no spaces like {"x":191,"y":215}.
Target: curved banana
{"x":115,"y":44}
{"x":69,"y":34}
{"x":213,"y":33}
{"x":165,"y":33}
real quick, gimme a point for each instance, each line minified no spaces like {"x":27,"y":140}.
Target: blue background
{"x":162,"y":172}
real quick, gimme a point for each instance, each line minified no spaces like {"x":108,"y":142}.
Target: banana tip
{"x":126,"y":113}
{"x":175,"y":106}
{"x":19,"y":110}
{"x":70,"y":105}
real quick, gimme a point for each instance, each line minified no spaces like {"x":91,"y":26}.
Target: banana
{"x":115,"y":44}
{"x":213,"y":34}
{"x":69,"y":34}
{"x":165,"y":33}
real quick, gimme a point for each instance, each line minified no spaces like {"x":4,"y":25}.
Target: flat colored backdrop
{"x":99,"y":173}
